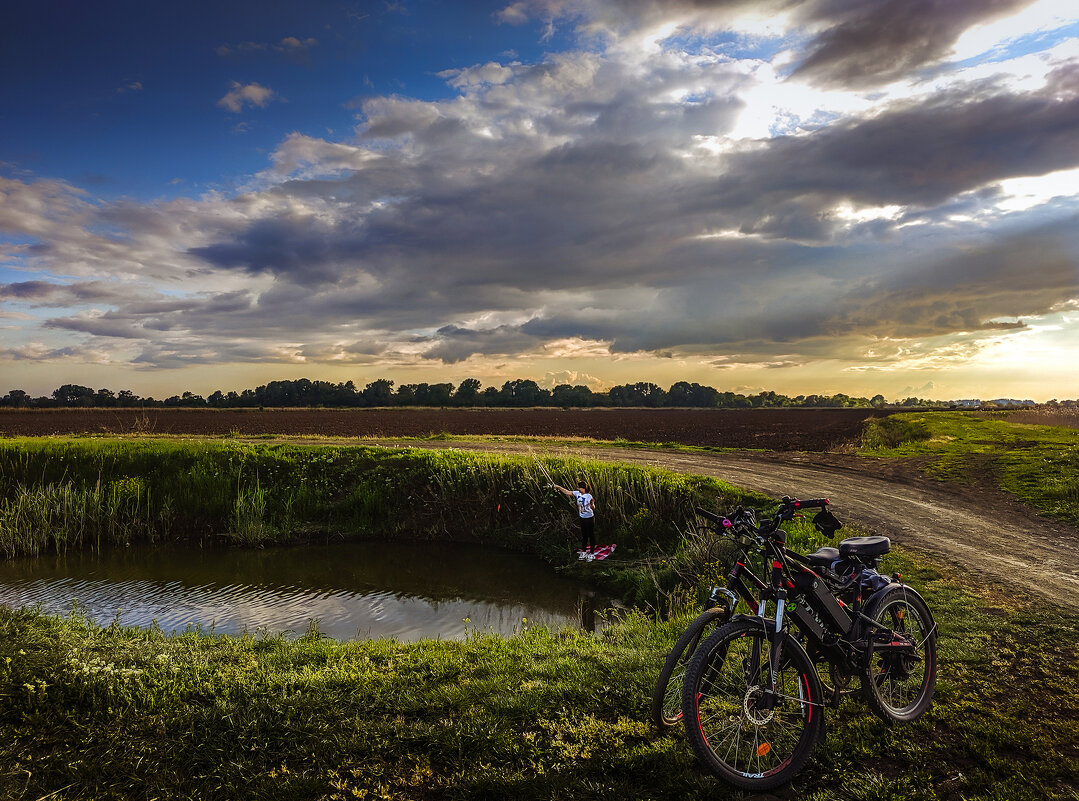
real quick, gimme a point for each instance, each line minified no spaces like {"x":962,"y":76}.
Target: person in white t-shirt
{"x":586,"y":511}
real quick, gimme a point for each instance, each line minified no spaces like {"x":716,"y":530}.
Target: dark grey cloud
{"x":970,"y":289}
{"x":47,"y":293}
{"x":849,"y":43}
{"x":918,"y":155}
{"x":1020,"y":275}
{"x":865,"y":44}
{"x":284,"y":244}
{"x":104,"y":326}
{"x":154,"y":324}
{"x":453,"y":343}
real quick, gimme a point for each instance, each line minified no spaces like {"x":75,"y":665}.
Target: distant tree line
{"x":518,"y":393}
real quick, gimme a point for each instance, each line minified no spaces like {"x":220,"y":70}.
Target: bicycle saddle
{"x":823,"y":557}
{"x":864,"y":547}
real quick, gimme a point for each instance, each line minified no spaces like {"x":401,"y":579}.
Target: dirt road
{"x":981,"y":531}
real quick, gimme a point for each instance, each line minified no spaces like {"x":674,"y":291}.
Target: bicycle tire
{"x":899,"y":688}
{"x":667,"y":695}
{"x":729,"y":725}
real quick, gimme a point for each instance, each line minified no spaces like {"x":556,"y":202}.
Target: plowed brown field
{"x":768,"y":429}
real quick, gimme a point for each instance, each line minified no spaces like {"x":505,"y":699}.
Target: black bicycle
{"x":740,"y":526}
{"x":754,"y":693}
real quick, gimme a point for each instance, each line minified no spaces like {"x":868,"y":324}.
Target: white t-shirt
{"x":584,"y":503}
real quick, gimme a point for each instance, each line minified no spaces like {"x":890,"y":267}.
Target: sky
{"x":806,"y":196}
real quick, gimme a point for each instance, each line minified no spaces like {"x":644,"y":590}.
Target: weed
{"x":893,"y":431}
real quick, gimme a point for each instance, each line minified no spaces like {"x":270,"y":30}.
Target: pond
{"x":354,"y":590}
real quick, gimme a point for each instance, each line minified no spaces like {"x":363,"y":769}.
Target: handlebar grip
{"x":719,"y":521}
{"x":812,"y":503}
{"x":707,"y":515}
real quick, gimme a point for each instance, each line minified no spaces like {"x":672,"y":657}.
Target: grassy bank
{"x":1039,"y":464}
{"x":70,"y":493}
{"x":103,"y":713}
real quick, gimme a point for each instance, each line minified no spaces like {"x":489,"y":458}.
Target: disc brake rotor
{"x":754,"y":714}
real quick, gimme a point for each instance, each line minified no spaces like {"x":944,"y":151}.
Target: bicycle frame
{"x":836,"y":632}
{"x":822,"y":618}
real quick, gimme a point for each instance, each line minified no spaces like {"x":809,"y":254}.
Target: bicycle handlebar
{"x":746,"y":517}
{"x":812,"y":503}
{"x":788,"y":506}
{"x":719,"y":521}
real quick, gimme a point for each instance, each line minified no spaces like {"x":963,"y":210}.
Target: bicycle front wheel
{"x":744,"y":732}
{"x":667,"y":696}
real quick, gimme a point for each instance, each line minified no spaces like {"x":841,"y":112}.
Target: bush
{"x":892,"y":432}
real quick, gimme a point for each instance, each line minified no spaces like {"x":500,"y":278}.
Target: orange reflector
{"x":901,"y":614}
{"x":763,"y":749}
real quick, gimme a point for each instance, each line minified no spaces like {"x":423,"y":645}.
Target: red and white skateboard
{"x":600,"y":552}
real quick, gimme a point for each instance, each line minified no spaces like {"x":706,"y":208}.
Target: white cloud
{"x":305,"y":157}
{"x":573,"y":378}
{"x":240,"y":95}
{"x":1028,"y":192}
{"x":994,"y":36}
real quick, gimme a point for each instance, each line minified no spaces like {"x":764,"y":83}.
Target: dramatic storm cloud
{"x":849,"y":191}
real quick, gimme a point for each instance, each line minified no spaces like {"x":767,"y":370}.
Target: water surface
{"x":356,"y":590}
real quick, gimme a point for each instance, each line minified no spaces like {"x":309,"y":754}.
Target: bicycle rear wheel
{"x":667,"y":696}
{"x":900,"y":673}
{"x":739,"y":730}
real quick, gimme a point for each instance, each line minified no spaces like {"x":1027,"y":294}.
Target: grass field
{"x":1037,"y":463}
{"x":110,"y":713}
{"x":107,"y":713}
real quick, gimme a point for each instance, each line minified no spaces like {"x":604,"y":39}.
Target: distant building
{"x":1012,"y":402}
{"x":967,"y":404}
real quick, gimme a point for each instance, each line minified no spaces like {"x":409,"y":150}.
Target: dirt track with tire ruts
{"x":983,"y":533}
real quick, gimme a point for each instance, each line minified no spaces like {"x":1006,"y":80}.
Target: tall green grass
{"x":893,"y":431}
{"x":59,"y":494}
{"x":58,"y":517}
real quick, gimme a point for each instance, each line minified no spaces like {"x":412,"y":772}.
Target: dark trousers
{"x":588,"y":533}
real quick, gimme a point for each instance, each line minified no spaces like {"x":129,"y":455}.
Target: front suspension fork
{"x":777,"y":643}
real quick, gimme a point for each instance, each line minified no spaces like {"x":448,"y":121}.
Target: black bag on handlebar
{"x":827,"y":523}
